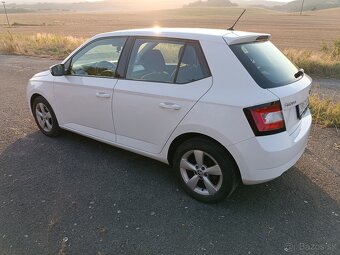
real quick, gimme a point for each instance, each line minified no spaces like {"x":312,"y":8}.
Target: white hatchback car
{"x":219,"y":106}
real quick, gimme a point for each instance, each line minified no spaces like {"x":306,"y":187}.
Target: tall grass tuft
{"x":325,"y":111}
{"x":41,"y":44}
{"x":322,"y":64}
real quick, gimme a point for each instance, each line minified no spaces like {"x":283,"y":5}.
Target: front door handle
{"x":172,"y":106}
{"x":103,"y":95}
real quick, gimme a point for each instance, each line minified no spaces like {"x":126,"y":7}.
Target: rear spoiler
{"x":238,"y":37}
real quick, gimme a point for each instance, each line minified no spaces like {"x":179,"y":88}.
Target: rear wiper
{"x":301,"y":72}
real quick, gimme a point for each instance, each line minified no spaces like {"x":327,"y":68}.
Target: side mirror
{"x":58,"y":70}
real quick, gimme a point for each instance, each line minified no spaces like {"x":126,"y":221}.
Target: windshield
{"x":268,"y":66}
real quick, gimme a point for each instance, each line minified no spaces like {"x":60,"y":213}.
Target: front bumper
{"x":261,"y":159}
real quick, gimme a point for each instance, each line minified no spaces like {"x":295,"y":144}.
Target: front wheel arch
{"x":33,"y":97}
{"x":54,"y":125}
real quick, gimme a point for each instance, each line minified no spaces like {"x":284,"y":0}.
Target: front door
{"x":84,"y":96}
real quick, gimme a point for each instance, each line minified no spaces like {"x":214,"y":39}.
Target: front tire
{"x":205,"y":170}
{"x":45,"y":118}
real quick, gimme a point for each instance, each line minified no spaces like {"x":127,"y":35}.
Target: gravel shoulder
{"x":327,"y":87}
{"x":104,"y":200}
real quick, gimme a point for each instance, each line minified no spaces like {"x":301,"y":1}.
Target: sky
{"x":73,"y":1}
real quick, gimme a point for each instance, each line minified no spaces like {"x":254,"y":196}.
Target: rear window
{"x":268,"y":66}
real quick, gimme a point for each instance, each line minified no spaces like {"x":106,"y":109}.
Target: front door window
{"x":98,"y":59}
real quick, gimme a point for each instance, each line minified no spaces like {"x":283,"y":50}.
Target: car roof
{"x":201,"y":34}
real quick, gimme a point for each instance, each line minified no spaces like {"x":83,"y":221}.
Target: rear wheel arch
{"x":205,"y":169}
{"x":188,"y":136}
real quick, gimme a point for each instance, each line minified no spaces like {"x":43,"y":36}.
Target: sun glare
{"x":156,"y":29}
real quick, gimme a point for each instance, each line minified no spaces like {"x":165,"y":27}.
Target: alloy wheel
{"x":201,"y":172}
{"x":44,"y":117}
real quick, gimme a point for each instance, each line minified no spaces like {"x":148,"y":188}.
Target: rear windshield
{"x":268,"y":66}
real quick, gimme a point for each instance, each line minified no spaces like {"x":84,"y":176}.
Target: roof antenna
{"x":232,"y":27}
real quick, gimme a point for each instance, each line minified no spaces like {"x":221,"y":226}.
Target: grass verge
{"x":325,"y":111}
{"x":41,"y":44}
{"x":323,"y":64}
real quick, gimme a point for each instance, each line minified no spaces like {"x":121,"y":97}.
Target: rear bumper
{"x":264,"y":158}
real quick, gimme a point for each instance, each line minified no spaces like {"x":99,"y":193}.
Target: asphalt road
{"x":103,"y":200}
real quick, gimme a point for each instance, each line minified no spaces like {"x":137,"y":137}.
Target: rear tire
{"x":205,"y":170}
{"x":45,"y":118}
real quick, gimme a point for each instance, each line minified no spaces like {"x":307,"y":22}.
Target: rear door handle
{"x":172,"y":106}
{"x":103,"y":95}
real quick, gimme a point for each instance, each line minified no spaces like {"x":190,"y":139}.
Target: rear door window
{"x":167,"y":61}
{"x":190,"y":68}
{"x":268,"y":66}
{"x":154,"y":60}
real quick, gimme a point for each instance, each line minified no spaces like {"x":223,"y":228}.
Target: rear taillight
{"x":266,"y":119}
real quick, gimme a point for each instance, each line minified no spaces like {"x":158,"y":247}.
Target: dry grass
{"x":324,"y":63}
{"x":325,"y":111}
{"x":62,"y":249}
{"x":52,"y":223}
{"x":43,"y":45}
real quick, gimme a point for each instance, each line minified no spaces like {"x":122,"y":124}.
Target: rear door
{"x":164,"y":80}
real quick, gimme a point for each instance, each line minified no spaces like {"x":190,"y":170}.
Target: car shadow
{"x":100,"y":199}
